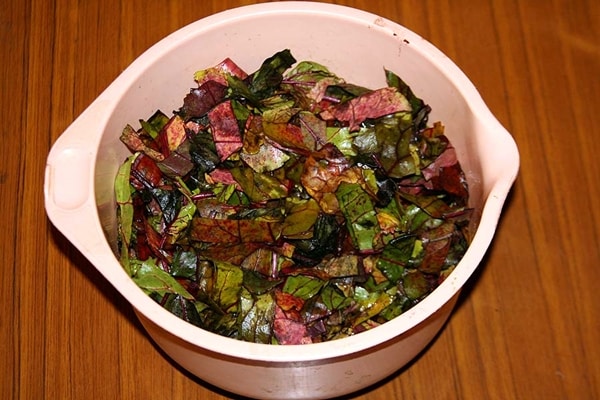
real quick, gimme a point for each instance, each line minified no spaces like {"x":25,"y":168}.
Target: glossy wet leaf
{"x":154,"y":124}
{"x":256,"y":317}
{"x":267,"y":158}
{"x":183,"y":308}
{"x":303,"y":287}
{"x":225,"y":130}
{"x":415,"y":284}
{"x":228,"y":283}
{"x":125,"y":208}
{"x":334,"y":299}
{"x":201,"y":100}
{"x":152,"y":279}
{"x":233,"y":231}
{"x":184,"y":265}
{"x":270,"y":73}
{"x":300,"y":219}
{"x":258,"y":284}
{"x":360,"y":214}
{"x":374,"y":104}
{"x":259,"y":186}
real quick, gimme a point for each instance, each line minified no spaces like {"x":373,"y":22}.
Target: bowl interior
{"x":355,"y":45}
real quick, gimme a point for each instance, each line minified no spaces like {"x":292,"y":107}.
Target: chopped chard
{"x":288,"y":206}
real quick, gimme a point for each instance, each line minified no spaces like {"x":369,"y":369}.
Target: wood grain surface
{"x":526,"y":327}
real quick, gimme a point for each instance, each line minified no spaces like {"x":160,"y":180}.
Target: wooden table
{"x":526,"y":327}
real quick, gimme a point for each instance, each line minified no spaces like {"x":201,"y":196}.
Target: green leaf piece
{"x":152,"y":279}
{"x":303,"y":287}
{"x":360,"y":214}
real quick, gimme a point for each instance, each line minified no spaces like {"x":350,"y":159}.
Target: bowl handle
{"x":69,"y":180}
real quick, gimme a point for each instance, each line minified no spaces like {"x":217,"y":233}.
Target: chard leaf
{"x":125,"y":208}
{"x":358,"y":209}
{"x":270,"y":74}
{"x":257,"y":284}
{"x":395,"y":257}
{"x":415,"y":284}
{"x":202,"y":99}
{"x":334,"y":299}
{"x":178,"y":163}
{"x":396,"y":307}
{"x":184,"y":264}
{"x":183,"y":308}
{"x":301,"y":217}
{"x":171,"y":136}
{"x":220,"y":72}
{"x":260,"y":261}
{"x":154,"y":124}
{"x":321,"y":178}
{"x":256,"y":317}
{"x":326,"y":234}
{"x":394,"y":147}
{"x":288,"y":302}
{"x":267,"y":158}
{"x":373,"y":104}
{"x":238,"y":89}
{"x":343,"y":139}
{"x":419,"y":109}
{"x":169,"y":202}
{"x":259,"y":187}
{"x":231,"y":231}
{"x":302,"y":286}
{"x":289,"y":331}
{"x":253,"y":134}
{"x":181,"y":222}
{"x":138,"y":143}
{"x":308,"y":82}
{"x":152,"y":279}
{"x":437,"y":245}
{"x":435,"y":206}
{"x":413,"y":218}
{"x":276,"y":126}
{"x":147,"y":173}
{"x":231,"y":253}
{"x":203,"y":152}
{"x":344,"y":91}
{"x":314,"y":130}
{"x":228,"y":283}
{"x":225,"y":130}
{"x":371,"y":305}
{"x":342,"y":266}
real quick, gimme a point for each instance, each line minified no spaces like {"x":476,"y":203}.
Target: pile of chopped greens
{"x":289,"y":206}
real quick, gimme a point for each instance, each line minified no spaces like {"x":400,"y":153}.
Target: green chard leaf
{"x":307,"y":82}
{"x":359,"y":211}
{"x":125,"y":208}
{"x":396,"y":256}
{"x":183,"y":308}
{"x":154,"y":124}
{"x":228,"y":284}
{"x":181,"y":222}
{"x":334,"y":299}
{"x":256,"y":316}
{"x":420,"y":110}
{"x":266,"y":80}
{"x":152,"y":279}
{"x":302,"y":286}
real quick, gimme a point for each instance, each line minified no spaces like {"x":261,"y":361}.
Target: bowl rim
{"x":235,"y":348}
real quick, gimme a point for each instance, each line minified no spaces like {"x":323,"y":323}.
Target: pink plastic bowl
{"x":82,"y":164}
